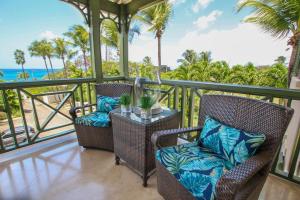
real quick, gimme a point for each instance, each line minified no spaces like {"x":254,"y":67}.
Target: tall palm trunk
{"x":57,"y":88}
{"x":85,"y":61}
{"x":23,"y":70}
{"x":50,"y":61}
{"x":44,"y":58}
{"x":159,"y":50}
{"x":293,"y":60}
{"x":65,"y":67}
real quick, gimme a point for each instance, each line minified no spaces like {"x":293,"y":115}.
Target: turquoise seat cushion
{"x":198,"y":169}
{"x":107,"y":104}
{"x":95,"y":119}
{"x":232,"y":144}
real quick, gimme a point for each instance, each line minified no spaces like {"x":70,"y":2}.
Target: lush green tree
{"x":242,"y":75}
{"x":73,"y":71}
{"x":280,"y":60}
{"x":49,"y":50}
{"x":20,"y":60}
{"x":219,"y":71}
{"x":281,"y":18}
{"x":80,"y":39}
{"x":62,"y":50}
{"x":189,"y":57}
{"x":205,"y":56}
{"x":39,"y":49}
{"x":147,"y":60}
{"x":110,"y":35}
{"x":110,"y":68}
{"x":12,"y":100}
{"x":274,"y":76}
{"x":157,"y":18}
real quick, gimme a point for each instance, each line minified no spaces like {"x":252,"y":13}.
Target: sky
{"x":202,"y":25}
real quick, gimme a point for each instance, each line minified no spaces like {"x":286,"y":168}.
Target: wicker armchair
{"x":99,"y":137}
{"x":246,"y":180}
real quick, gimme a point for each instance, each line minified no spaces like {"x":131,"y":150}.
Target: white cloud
{"x":201,"y":4}
{"x":204,"y":21}
{"x":244,"y":43}
{"x":176,"y":1}
{"x":48,"y":35}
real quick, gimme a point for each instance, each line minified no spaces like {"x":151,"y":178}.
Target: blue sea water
{"x":12,"y":74}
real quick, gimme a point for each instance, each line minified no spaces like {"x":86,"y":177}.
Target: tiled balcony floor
{"x":66,"y":171}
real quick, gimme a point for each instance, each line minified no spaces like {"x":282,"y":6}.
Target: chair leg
{"x":145,"y":180}
{"x":117,"y":158}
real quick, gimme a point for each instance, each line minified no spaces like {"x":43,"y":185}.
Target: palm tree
{"x":189,"y":57}
{"x":281,"y":18}
{"x":280,"y":60}
{"x":49,"y":49}
{"x":110,"y":35}
{"x":218,"y":72}
{"x":20,"y":60}
{"x":80,"y":38}
{"x":205,"y":56}
{"x":157,"y":18}
{"x":38,"y":49}
{"x":62,"y":51}
{"x":147,"y":61}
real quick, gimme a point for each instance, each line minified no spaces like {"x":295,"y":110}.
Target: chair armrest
{"x":74,"y":109}
{"x":159,"y":135}
{"x":231,"y":181}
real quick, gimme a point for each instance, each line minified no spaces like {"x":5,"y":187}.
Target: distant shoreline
{"x":10,"y":74}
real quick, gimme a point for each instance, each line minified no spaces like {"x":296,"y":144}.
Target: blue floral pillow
{"x":232,"y":144}
{"x":107,"y":104}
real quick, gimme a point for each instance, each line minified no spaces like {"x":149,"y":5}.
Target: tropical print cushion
{"x":95,"y":119}
{"x":198,"y":169}
{"x":232,"y":144}
{"x":107,"y":104}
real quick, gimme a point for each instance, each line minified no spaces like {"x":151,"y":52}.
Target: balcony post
{"x":124,"y":27}
{"x":94,"y":10}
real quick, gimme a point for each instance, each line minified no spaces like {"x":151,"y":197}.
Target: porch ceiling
{"x":113,"y":6}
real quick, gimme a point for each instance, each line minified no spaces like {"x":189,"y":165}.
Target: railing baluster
{"x":9,"y":117}
{"x":289,"y":103}
{"x":176,"y":98}
{"x":169,"y":100}
{"x":81,"y":99}
{"x":2,"y":148}
{"x":35,"y":116}
{"x":183,"y":109}
{"x":191,"y":108}
{"x":23,"y":116}
{"x":89,"y":96}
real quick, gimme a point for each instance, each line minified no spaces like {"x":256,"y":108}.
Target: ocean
{"x":12,"y":74}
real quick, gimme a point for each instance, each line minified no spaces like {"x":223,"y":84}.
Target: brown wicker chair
{"x":246,"y":180}
{"x":96,"y":137}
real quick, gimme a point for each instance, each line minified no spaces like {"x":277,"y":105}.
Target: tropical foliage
{"x":20,"y":60}
{"x":79,"y":38}
{"x":41,"y":49}
{"x":62,"y":51}
{"x":280,"y":18}
{"x":156,"y":18}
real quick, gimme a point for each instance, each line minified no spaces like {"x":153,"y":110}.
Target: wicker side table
{"x":132,"y":139}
